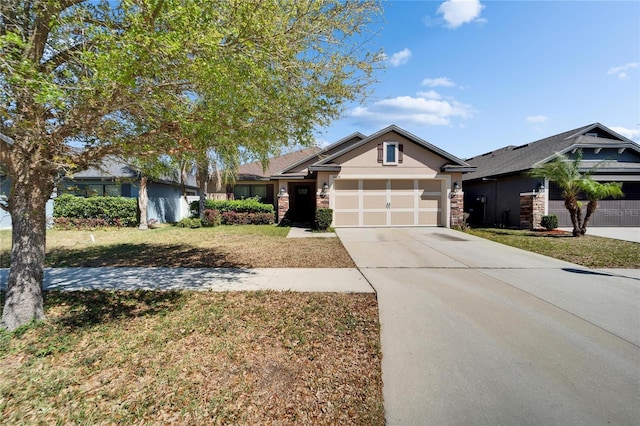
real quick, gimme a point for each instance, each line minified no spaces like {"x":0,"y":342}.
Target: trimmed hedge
{"x":235,"y":218}
{"x":235,"y":212}
{"x":249,"y":205}
{"x":323,"y":219}
{"x":114,"y":211}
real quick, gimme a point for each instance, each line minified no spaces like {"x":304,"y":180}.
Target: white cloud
{"x":621,"y":71}
{"x":431,"y":94}
{"x":417,"y":111}
{"x":435,"y":82}
{"x":399,"y":58}
{"x":537,"y":119}
{"x":458,"y":12}
{"x":633,"y":134}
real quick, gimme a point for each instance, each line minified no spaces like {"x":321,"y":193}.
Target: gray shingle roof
{"x":516,"y":159}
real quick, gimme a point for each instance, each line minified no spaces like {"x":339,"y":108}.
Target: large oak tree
{"x":80,"y":80}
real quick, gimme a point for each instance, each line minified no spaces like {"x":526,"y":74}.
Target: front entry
{"x":302,"y":201}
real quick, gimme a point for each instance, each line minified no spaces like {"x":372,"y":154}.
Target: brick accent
{"x":283,"y":206}
{"x":457,"y":209}
{"x":531,"y":210}
{"x":322,"y":203}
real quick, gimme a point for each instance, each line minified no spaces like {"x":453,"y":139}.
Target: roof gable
{"x":453,"y":160}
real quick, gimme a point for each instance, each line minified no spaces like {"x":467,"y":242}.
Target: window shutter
{"x":400,"y":151}
{"x":380,"y":153}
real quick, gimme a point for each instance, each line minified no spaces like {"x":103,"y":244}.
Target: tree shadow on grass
{"x":89,"y":308}
{"x":143,"y":255}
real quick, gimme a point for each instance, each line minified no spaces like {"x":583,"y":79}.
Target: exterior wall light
{"x":325,"y":188}
{"x":283,"y":191}
{"x":539,"y":188}
{"x":456,"y":187}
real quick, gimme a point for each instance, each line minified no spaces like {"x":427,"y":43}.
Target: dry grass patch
{"x":195,"y":358}
{"x":248,"y":246}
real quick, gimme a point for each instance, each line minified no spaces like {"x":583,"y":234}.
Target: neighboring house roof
{"x":116,"y":168}
{"x":255,"y":170}
{"x":516,"y":159}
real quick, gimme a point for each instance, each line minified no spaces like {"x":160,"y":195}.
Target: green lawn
{"x":589,"y":251}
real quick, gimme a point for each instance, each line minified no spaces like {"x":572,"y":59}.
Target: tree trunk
{"x":143,"y":202}
{"x":24,"y":300}
{"x":203,"y":177}
{"x":591,"y":208}
{"x":571,"y":204}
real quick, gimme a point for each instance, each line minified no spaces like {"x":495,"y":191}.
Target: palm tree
{"x":596,"y":191}
{"x":565,"y":173}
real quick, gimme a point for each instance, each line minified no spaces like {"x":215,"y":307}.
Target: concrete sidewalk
{"x":340,"y":280}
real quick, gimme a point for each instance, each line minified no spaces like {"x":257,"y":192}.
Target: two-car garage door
{"x":387,"y":202}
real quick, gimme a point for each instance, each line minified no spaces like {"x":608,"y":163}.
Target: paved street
{"x":474,"y":332}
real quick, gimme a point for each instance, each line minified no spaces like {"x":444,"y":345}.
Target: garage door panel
{"x":402,"y":185}
{"x":402,"y":201}
{"x":429,"y":203}
{"x":374,"y":185}
{"x":346,"y":185}
{"x":346,"y":202}
{"x":429,"y":218}
{"x":402,"y":218}
{"x":347,"y":219}
{"x":374,"y":202}
{"x":374,"y":218}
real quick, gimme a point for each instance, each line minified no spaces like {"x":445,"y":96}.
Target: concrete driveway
{"x":474,"y":332}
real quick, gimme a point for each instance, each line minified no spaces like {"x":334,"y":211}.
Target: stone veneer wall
{"x":322,"y":202}
{"x":531,"y":210}
{"x":283,"y":206}
{"x":457,"y":209}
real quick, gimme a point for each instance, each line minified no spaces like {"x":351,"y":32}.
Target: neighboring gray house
{"x":493,"y":190}
{"x":116,"y":178}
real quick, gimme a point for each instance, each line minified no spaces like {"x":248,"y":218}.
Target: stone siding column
{"x":457,"y":209}
{"x":532,"y":206}
{"x":283,"y":206}
{"x":322,"y":202}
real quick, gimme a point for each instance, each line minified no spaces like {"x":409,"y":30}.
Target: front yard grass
{"x":195,"y":358}
{"x":588,"y":251}
{"x":249,"y":246}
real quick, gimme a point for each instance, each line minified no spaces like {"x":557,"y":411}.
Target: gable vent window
{"x":390,"y":153}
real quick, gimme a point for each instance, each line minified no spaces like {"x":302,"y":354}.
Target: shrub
{"x":234,"y":218}
{"x":250,"y":205}
{"x":211,"y":218}
{"x":116,"y":211}
{"x":549,"y":222}
{"x":190,"y":222}
{"x":323,"y":219}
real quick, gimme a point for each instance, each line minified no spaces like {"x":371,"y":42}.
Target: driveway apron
{"x":475,"y":332}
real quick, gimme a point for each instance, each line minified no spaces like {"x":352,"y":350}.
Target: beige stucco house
{"x":391,"y":178}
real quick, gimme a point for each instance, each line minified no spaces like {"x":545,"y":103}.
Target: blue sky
{"x":471,"y":76}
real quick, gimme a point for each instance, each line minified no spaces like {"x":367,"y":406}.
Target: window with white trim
{"x":390,"y":153}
